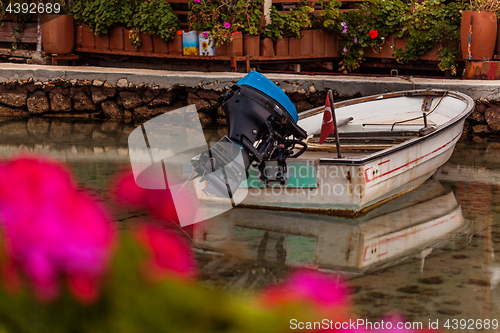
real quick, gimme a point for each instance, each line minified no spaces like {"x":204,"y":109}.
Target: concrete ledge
{"x":343,"y":85}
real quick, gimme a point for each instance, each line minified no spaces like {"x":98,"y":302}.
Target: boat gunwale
{"x":403,"y":145}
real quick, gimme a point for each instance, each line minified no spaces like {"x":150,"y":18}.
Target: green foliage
{"x":249,"y":13}
{"x":130,"y":304}
{"x":288,"y":25}
{"x":156,"y":17}
{"x":298,"y":19}
{"x":381,"y":16}
{"x":101,"y":15}
{"x":135,"y":38}
{"x":278,"y":27}
{"x":420,"y":23}
{"x":432,"y":21}
{"x":330,"y":16}
{"x":222,"y":18}
{"x":77,"y":9}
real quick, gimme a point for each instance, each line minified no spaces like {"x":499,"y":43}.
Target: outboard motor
{"x":262,"y":126}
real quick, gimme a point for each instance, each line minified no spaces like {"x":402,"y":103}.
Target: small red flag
{"x":328,"y":126}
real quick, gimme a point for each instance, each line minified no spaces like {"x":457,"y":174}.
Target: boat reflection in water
{"x":406,"y":227}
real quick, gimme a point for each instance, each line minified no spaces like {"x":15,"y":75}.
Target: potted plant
{"x":249,"y":15}
{"x":369,"y":31}
{"x":58,"y":30}
{"x":203,"y":17}
{"x":431,"y":32}
{"x":103,"y":15}
{"x":277,"y":31}
{"x":478,"y":31}
{"x":156,"y":21}
{"x":382,"y":20}
{"x":299,"y":20}
{"x":216,"y":18}
{"x":326,"y":23}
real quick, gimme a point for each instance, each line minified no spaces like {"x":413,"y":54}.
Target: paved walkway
{"x":344,"y":85}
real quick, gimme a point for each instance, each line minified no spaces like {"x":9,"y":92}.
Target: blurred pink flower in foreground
{"x":158,"y":202}
{"x":170,"y":254}
{"x":320,"y":288}
{"x":51,"y":229}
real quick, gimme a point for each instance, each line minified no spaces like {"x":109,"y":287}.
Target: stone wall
{"x":126,"y":102}
{"x":123,"y":102}
{"x":483,"y":124}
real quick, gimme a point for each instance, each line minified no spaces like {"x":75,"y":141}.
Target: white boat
{"x":390,"y":144}
{"x":386,"y":150}
{"x":409,"y":226}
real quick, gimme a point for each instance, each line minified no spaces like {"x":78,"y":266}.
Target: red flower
{"x":373,"y":34}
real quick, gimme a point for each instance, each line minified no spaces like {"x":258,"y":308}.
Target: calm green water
{"x":431,"y":254}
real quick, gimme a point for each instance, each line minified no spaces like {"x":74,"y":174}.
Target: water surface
{"x":430,"y":254}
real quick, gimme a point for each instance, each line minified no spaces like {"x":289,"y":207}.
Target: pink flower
{"x":198,"y":1}
{"x":158,"y":202}
{"x":52,"y":230}
{"x":205,"y":34}
{"x":170,"y":255}
{"x":227,"y":25}
{"x":319,"y":288}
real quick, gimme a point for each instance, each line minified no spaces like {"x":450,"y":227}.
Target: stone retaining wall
{"x":126,"y":102}
{"x":483,"y":124}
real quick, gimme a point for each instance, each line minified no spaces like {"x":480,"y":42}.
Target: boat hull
{"x":350,"y":190}
{"x":351,"y":186}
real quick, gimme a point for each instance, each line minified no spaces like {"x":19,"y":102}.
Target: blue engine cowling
{"x":262,"y":122}
{"x":257,"y":109}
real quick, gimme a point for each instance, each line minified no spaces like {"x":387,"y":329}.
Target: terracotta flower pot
{"x":332,"y":44}
{"x":88,"y":38}
{"x":235,"y":48}
{"x":318,"y":42}
{"x":146,"y":43}
{"x":293,"y":46}
{"x":281,"y":47}
{"x":175,"y":44}
{"x":267,"y":47}
{"x":251,"y":45}
{"x":102,"y":42}
{"x":381,"y":51}
{"x":127,"y":46}
{"x":159,"y":45}
{"x":58,"y":34}
{"x":78,"y":36}
{"x":116,"y":39}
{"x":484,"y":34}
{"x":306,"y":42}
